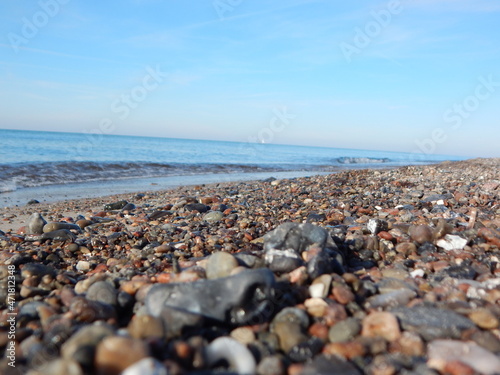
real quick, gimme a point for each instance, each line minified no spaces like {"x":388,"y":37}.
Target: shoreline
{"x":392,"y":269}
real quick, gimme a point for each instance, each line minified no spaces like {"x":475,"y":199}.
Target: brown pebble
{"x":457,"y":368}
{"x":319,"y":330}
{"x":410,"y":344}
{"x":421,"y":233}
{"x":145,"y":326}
{"x":381,"y":324}
{"x":406,"y":248}
{"x":484,"y":318}
{"x":334,"y":313}
{"x":342,"y":294}
{"x":347,"y":350}
{"x":115,"y":353}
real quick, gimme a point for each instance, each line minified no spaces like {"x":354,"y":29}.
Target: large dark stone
{"x":244,"y":298}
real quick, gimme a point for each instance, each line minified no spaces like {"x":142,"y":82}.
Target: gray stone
{"x":393,"y":298}
{"x":202,"y":208}
{"x":297,"y":237}
{"x":285,"y":244}
{"x":469,"y":353}
{"x":35,"y":224}
{"x":102,"y":291}
{"x":432,"y":322}
{"x":220,"y":264}
{"x":344,"y":330}
{"x":59,"y":235}
{"x":213,"y":217}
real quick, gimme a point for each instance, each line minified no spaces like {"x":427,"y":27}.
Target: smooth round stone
{"x":50,"y":227}
{"x":344,"y":330}
{"x":289,"y":335}
{"x":102,"y":291}
{"x":83,"y":265}
{"x":36,"y":224}
{"x":320,"y":287}
{"x":292,"y":315}
{"x":406,"y":248}
{"x":272,"y":365}
{"x":421,"y":233}
{"x":213,"y":216}
{"x":114,"y":354}
{"x":243,"y":335}
{"x":479,"y":359}
{"x":381,"y":324}
{"x":484,"y":318}
{"x":145,"y":326}
{"x":83,"y":223}
{"x":220,"y":264}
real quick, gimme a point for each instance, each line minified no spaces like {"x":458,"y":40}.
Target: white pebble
{"x":146,"y":366}
{"x":83,"y":265}
{"x":237,"y":355}
{"x":417,"y":273}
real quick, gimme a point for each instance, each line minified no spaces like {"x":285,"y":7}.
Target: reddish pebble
{"x":319,"y":330}
{"x":347,"y":350}
{"x":457,"y":368}
{"x":342,"y":294}
{"x":164,"y":277}
{"x":17,"y":239}
{"x":334,"y":313}
{"x":386,"y":236}
{"x":381,"y":324}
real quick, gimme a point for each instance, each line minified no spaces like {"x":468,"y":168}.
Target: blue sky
{"x":398,"y":75}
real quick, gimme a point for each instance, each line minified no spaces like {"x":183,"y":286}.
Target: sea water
{"x":69,"y":165}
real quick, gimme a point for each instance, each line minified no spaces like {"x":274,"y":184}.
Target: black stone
{"x":244,"y":298}
{"x":201,"y":208}
{"x":460,"y":272}
{"x":329,"y":364}
{"x":115,"y":206}
{"x":305,"y":350}
{"x":59,"y":235}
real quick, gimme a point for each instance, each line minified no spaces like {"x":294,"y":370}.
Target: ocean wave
{"x":23,"y":175}
{"x":361,"y":160}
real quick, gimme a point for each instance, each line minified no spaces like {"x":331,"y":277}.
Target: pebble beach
{"x":391,"y":271}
